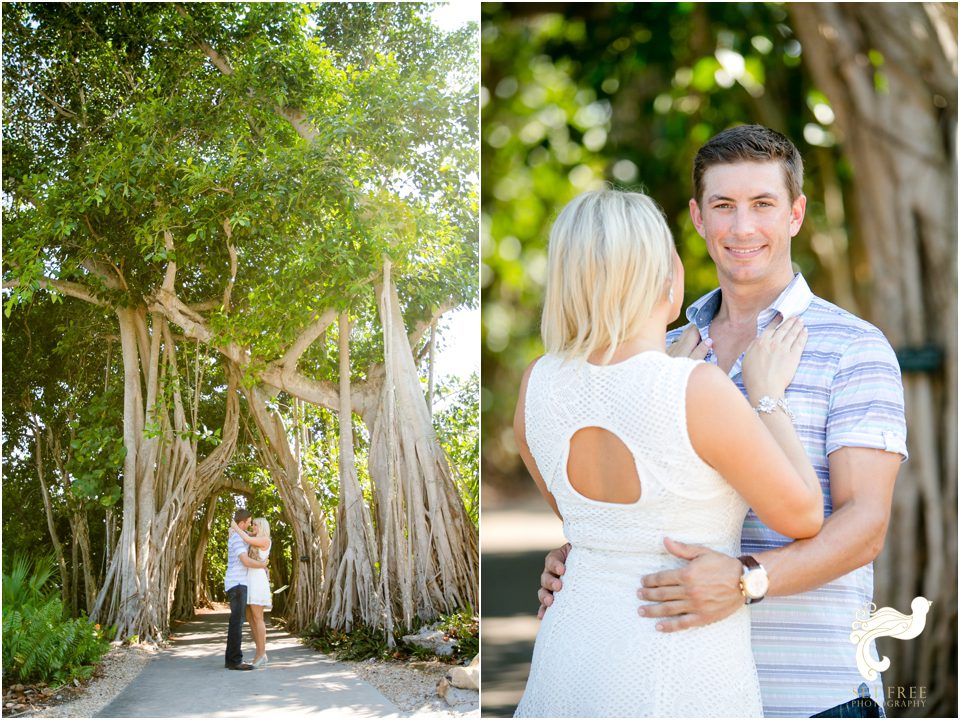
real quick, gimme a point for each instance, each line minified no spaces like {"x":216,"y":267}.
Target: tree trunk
{"x":163,"y":483}
{"x":350,"y":589}
{"x":311,"y":539}
{"x":51,"y":521}
{"x":433,"y":362}
{"x":896,"y":117}
{"x":120,"y":595}
{"x":82,"y":539}
{"x":428,"y":546}
{"x":201,"y":595}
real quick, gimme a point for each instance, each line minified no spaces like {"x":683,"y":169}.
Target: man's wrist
{"x":754,"y":583}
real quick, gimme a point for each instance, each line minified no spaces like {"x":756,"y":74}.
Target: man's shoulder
{"x":235,"y":540}
{"x":824,"y":318}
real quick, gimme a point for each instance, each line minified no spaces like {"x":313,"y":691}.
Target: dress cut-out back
{"x":594,"y":655}
{"x":595,"y":451}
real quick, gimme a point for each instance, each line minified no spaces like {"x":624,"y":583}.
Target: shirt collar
{"x":794,"y":299}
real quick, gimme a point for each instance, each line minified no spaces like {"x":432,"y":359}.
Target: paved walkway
{"x":188,"y":679}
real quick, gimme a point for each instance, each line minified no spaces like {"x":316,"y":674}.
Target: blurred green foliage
{"x":574,"y":96}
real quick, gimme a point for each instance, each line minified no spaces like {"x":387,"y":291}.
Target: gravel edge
{"x":412,"y":687}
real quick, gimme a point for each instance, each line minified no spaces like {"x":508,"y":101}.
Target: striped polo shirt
{"x":847,"y":392}
{"x":236,"y":571}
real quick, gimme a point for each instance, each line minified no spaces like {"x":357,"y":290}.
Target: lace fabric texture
{"x":594,"y":656}
{"x":258,"y":585}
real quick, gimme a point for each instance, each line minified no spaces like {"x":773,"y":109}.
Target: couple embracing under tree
{"x":247,"y":587}
{"x":682,"y":464}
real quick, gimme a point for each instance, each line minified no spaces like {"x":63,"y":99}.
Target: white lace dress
{"x":594,"y":656}
{"x":258,"y":586}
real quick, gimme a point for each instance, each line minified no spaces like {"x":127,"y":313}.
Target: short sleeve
{"x":237,"y":546}
{"x":866,"y":398}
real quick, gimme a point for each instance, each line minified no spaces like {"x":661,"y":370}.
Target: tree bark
{"x":350,"y":587}
{"x":51,"y":520}
{"x":428,"y":546}
{"x":201,"y":596}
{"x":901,"y":143}
{"x":311,"y":539}
{"x":163,"y":482}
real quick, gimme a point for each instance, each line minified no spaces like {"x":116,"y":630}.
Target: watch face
{"x":756,"y":584}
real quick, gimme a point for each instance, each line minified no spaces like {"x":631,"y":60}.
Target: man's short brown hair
{"x":749,"y":143}
{"x":241,"y":515}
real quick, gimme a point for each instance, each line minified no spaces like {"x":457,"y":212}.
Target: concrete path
{"x":188,"y":679}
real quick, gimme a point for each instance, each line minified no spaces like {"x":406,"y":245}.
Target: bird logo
{"x":872,"y":623}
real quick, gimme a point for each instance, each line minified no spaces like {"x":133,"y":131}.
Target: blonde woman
{"x":258,"y":585}
{"x":629,"y":445}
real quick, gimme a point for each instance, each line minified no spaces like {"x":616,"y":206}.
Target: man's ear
{"x":697,"y":217}
{"x":797,"y":212}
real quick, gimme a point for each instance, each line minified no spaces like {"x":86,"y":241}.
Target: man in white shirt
{"x":235,"y":585}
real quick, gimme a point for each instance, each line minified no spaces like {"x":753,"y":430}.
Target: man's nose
{"x":743,"y":223}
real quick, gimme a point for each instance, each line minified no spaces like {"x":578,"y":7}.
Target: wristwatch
{"x":754,"y":582}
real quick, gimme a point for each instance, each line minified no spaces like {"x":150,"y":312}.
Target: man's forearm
{"x":849,"y":539}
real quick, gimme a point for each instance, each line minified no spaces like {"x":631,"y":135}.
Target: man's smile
{"x":745,"y":252}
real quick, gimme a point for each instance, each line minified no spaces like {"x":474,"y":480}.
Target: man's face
{"x":244,"y":524}
{"x":747,"y":220}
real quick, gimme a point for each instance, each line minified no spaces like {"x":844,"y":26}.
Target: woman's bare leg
{"x":259,"y":630}
{"x":263,"y":631}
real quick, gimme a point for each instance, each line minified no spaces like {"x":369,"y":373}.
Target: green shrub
{"x":464,"y":627}
{"x":360,"y":643}
{"x":39,"y":645}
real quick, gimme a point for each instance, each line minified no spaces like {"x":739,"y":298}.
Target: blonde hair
{"x":608,"y":263}
{"x":263,"y":530}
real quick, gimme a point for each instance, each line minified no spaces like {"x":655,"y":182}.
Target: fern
{"x":39,"y":644}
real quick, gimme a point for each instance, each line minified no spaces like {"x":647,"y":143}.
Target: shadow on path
{"x":188,"y":679}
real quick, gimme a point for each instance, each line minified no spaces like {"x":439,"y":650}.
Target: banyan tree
{"x":252,"y":209}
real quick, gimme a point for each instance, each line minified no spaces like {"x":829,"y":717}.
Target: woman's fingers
{"x":792,"y":331}
{"x":788,"y":331}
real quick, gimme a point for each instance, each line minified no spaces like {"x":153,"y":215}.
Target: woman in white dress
{"x":628,"y":446}
{"x":259,"y":597}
